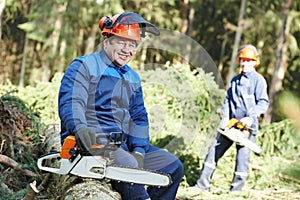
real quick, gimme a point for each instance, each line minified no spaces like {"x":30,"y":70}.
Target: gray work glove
{"x":247,"y":121}
{"x":85,"y":138}
{"x":139,"y":157}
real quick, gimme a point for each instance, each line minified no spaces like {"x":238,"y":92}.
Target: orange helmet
{"x":249,"y":52}
{"x":128,"y":25}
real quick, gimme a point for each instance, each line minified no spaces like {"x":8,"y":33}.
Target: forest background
{"x":38,"y":40}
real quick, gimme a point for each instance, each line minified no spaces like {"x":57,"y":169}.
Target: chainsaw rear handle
{"x":62,"y":162}
{"x":47,"y":156}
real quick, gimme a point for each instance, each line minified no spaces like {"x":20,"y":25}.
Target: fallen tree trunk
{"x":92,"y":189}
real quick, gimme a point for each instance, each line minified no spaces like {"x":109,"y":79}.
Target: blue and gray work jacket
{"x":246,"y":97}
{"x":97,"y":94}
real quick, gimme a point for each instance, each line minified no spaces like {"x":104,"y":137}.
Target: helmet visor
{"x":129,"y":18}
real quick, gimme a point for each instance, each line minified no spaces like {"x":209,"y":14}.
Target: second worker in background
{"x":246,"y":98}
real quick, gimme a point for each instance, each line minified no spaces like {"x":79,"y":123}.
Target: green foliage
{"x":182,"y":107}
{"x":182,"y":103}
{"x":19,"y":106}
{"x":42,"y":98}
{"x":13,"y":7}
{"x":191,"y":168}
{"x":21,"y":131}
{"x":6,"y":195}
{"x":278,"y":138}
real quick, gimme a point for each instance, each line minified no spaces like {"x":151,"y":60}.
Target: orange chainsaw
{"x":97,"y":165}
{"x":239,"y":132}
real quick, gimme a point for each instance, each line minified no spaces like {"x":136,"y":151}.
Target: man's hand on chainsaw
{"x":247,"y":121}
{"x":85,"y":138}
{"x":139,"y":158}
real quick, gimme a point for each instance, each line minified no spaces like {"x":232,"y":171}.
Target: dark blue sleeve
{"x":73,"y":95}
{"x":138,"y":138}
{"x":261,"y":98}
{"x":225,"y":113}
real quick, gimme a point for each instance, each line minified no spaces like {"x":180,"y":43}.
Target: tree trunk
{"x":90,"y":46}
{"x":280,"y":64}
{"x":23,"y":66}
{"x":222,"y":58}
{"x":184,"y":15}
{"x":236,"y":42}
{"x":62,"y":59}
{"x":92,"y":189}
{"x":55,"y":37}
{"x":2,"y":6}
{"x":188,"y":16}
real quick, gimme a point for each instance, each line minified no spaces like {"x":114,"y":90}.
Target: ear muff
{"x":257,"y":62}
{"x":105,"y":22}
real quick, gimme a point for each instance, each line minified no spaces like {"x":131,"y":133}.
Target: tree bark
{"x":54,"y":38}
{"x":92,"y":189}
{"x":23,"y":66}
{"x":280,"y":64}
{"x":90,"y":46}
{"x":2,"y":6}
{"x":62,"y":50}
{"x":188,"y":16}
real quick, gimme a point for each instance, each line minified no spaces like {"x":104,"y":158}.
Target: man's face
{"x":120,"y":50}
{"x":247,"y":65}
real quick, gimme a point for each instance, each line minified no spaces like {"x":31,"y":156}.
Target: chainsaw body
{"x":98,"y":165}
{"x":240,"y":133}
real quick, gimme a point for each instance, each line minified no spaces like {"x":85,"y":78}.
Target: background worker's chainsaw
{"x":239,"y":132}
{"x":98,"y":165}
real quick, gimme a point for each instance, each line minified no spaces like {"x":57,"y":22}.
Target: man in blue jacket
{"x":100,"y":93}
{"x":246,"y":99}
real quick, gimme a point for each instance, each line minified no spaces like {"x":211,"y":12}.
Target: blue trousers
{"x":155,"y":159}
{"x":217,"y":149}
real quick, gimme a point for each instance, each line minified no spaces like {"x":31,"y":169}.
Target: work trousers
{"x":155,"y":159}
{"x":217,"y":149}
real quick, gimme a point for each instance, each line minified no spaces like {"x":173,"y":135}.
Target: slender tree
{"x":2,"y":6}
{"x":280,"y":64}
{"x":236,"y":42}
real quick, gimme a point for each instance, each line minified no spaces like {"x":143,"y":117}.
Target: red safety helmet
{"x":128,"y":25}
{"x":248,"y":52}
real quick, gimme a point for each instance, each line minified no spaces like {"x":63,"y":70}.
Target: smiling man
{"x":100,"y":94}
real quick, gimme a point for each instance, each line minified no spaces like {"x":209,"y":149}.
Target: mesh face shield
{"x":129,"y":18}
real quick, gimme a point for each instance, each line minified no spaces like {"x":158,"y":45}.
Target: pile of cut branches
{"x":19,"y":146}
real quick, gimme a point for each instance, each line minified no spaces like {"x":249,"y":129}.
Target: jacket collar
{"x":249,"y":74}
{"x":109,"y":63}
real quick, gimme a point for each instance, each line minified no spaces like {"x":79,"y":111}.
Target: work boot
{"x":238,"y":182}
{"x":205,"y":177}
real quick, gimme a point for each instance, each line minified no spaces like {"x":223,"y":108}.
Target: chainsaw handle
{"x":65,"y":165}
{"x":47,"y":156}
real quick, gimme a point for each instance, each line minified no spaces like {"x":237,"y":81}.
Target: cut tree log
{"x":90,"y":190}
